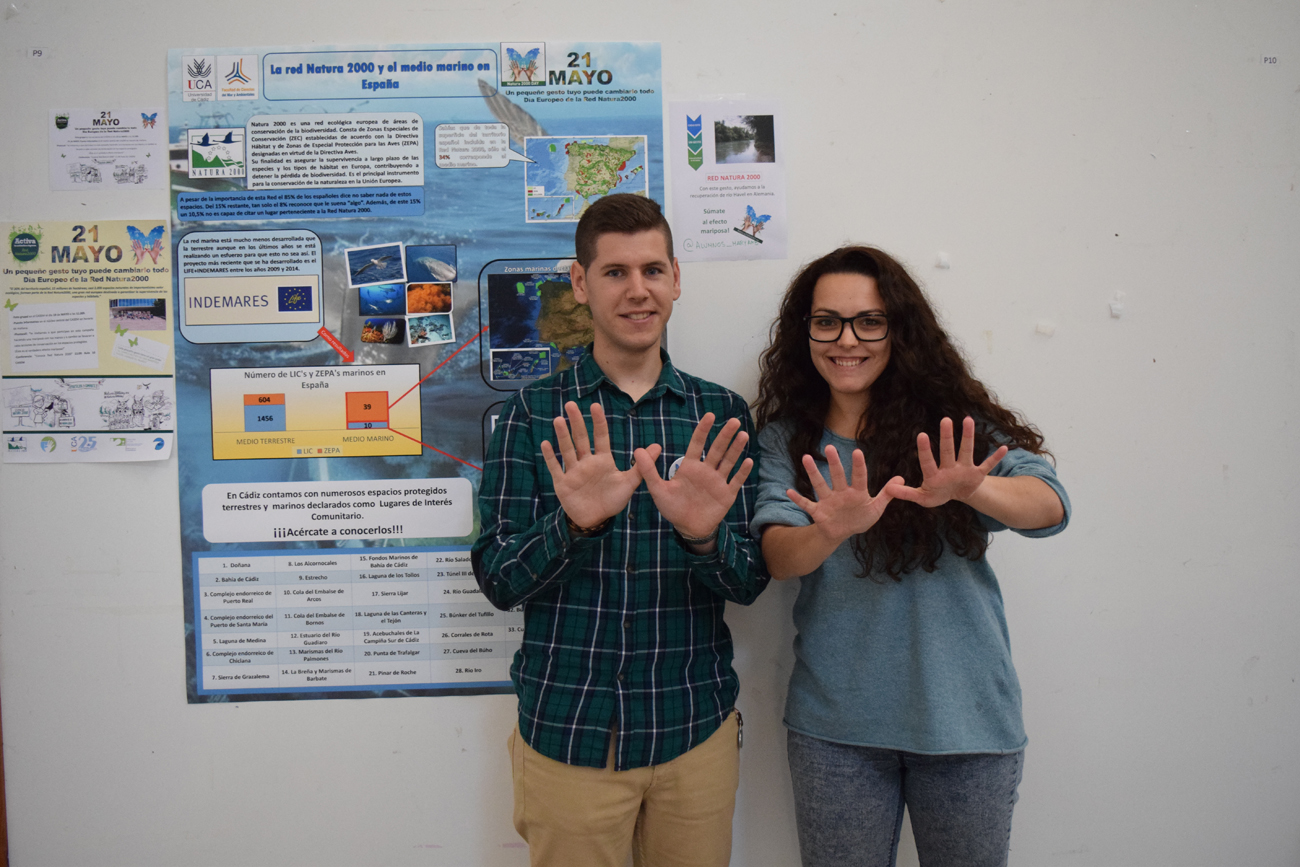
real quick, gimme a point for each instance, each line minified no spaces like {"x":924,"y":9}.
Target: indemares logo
{"x":236,"y":73}
{"x":295,"y":298}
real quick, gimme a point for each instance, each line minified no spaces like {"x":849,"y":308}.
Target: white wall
{"x":1057,"y":152}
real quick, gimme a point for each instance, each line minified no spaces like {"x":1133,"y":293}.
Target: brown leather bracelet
{"x":586,"y":532}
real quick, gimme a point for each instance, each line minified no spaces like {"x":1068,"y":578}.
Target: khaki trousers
{"x":677,"y":814}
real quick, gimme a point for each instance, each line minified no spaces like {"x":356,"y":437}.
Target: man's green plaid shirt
{"x":623,"y":629}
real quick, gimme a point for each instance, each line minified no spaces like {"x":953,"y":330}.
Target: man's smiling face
{"x":630,"y":286}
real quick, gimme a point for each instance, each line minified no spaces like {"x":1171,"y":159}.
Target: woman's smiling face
{"x":848,"y":365}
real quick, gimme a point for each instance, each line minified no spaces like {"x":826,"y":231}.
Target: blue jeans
{"x":849,"y":804}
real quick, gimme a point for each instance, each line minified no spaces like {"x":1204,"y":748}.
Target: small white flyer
{"x":728,"y":166}
{"x":108,"y":149}
{"x":141,"y":350}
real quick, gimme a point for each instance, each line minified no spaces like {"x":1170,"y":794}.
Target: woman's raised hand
{"x":841,"y":509}
{"x":956,"y":476}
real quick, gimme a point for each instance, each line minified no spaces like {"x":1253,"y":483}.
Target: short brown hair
{"x":623,"y":213}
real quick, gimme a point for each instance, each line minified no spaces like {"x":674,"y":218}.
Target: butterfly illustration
{"x":133,"y":340}
{"x":522,"y":63}
{"x":146,"y":245}
{"x":753,"y":222}
{"x":149,"y":119}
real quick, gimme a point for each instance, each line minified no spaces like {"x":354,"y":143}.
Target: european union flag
{"x":295,"y":299}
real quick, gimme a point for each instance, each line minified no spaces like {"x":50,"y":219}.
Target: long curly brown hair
{"x":925,"y":381}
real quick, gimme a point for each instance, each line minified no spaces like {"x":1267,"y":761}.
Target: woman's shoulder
{"x":777,"y":433}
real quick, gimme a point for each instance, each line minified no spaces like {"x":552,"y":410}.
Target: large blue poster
{"x":372,"y":250}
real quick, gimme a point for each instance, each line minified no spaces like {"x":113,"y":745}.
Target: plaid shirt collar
{"x":590,"y":377}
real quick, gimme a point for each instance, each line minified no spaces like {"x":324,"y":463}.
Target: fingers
{"x":733,"y":453}
{"x":889,"y":491}
{"x":897,"y":489}
{"x":578,"y":428}
{"x":696,"y":446}
{"x":600,"y":429}
{"x":552,"y":463}
{"x":967,"y":453}
{"x":838,"y":481}
{"x":992,"y":460}
{"x":947,"y":453}
{"x":819,"y":486}
{"x":645,"y":465}
{"x":925,"y":456}
{"x":800,"y":500}
{"x":741,"y":475}
{"x":722,"y":441}
{"x":859,"y":470}
{"x":564,"y":440}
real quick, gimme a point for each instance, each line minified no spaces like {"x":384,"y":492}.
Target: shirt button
{"x":620,"y":678}
{"x":627,"y":624}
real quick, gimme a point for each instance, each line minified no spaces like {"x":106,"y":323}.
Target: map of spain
{"x":568,"y":173}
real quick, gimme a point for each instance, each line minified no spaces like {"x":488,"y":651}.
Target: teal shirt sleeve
{"x":1019,"y":462}
{"x":776,"y":476}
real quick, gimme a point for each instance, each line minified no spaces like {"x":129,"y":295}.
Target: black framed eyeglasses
{"x":868,"y":327}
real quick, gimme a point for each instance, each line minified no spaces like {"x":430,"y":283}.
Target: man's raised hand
{"x":699,"y":495}
{"x":589,"y":485}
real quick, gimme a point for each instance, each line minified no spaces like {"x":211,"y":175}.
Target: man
{"x":628,"y":734}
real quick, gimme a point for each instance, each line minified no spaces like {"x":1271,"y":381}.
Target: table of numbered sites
{"x":382,"y":617}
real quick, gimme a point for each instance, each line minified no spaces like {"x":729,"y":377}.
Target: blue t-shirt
{"x":922,"y":665}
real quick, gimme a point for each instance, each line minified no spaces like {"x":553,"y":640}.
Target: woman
{"x":903,"y":692}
